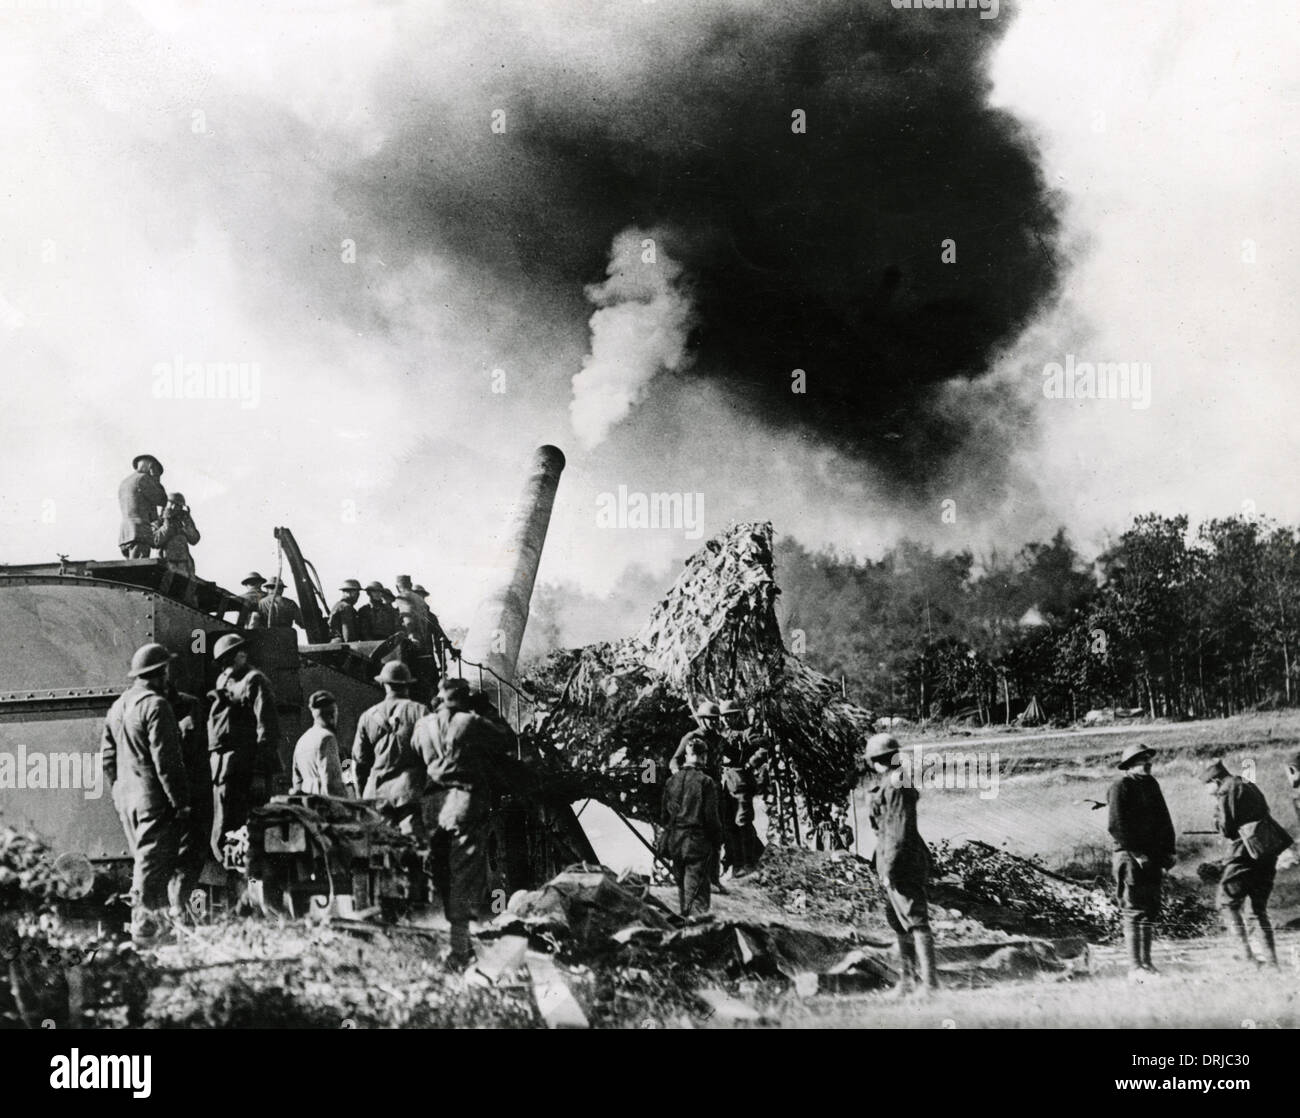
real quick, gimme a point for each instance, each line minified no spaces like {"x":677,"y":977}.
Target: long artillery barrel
{"x":498,"y":627}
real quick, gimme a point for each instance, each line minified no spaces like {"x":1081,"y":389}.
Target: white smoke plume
{"x":640,"y":328}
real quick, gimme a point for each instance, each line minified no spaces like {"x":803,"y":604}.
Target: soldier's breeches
{"x":1246,"y":881}
{"x":1138,"y":890}
{"x":153,"y":839}
{"x":232,"y":784}
{"x":908,"y":908}
{"x":694,"y":876}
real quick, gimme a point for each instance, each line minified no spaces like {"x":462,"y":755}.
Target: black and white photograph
{"x":650,"y":514}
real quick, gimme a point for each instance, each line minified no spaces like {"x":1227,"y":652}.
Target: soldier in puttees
{"x":461,"y":751}
{"x":1142,"y":835}
{"x":141,"y":756}
{"x":243,"y":739}
{"x":141,"y":498}
{"x":278,"y":612}
{"x":902,"y":862}
{"x":1240,"y":805}
{"x":344,"y":624}
{"x":378,"y":619}
{"x":176,"y":534}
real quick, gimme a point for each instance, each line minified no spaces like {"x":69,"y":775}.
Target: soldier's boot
{"x":925,"y":956}
{"x":460,"y":952}
{"x":907,"y":965}
{"x":1237,"y":929}
{"x":1147,"y":932}
{"x":1133,"y":949}
{"x":1266,"y":938}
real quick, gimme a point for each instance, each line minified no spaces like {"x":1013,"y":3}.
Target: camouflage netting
{"x":620,"y":709}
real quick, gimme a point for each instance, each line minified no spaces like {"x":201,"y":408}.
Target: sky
{"x":315,"y":194}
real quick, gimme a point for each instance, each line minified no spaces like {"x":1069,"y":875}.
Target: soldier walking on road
{"x":461,"y":751}
{"x":243,"y":739}
{"x":386,"y":764}
{"x":902,"y":862}
{"x":1242,"y":817}
{"x":1143,"y":837}
{"x":141,"y":497}
{"x":141,"y":756}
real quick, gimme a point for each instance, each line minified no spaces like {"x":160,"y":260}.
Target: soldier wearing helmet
{"x":377,"y":618}
{"x":243,"y":738}
{"x":140,"y":497}
{"x":707,"y":736}
{"x":344,"y":623}
{"x":142,"y":761}
{"x":176,"y":534}
{"x":277,"y":611}
{"x":902,"y":862}
{"x":387,"y":767}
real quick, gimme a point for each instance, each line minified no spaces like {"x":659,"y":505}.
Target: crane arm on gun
{"x":309,"y":597}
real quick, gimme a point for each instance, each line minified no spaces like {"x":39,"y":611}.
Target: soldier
{"x":196,"y":835}
{"x":243,"y":739}
{"x":141,"y":757}
{"x":404,"y":647}
{"x":755,"y":749}
{"x":378,"y":619}
{"x":1143,"y":836}
{"x":317,"y":765}
{"x":386,"y":765}
{"x":461,"y":751}
{"x":252,"y":583}
{"x":692,"y":828}
{"x":277,"y":611}
{"x":707,"y":736}
{"x":1239,"y":803}
{"x":141,"y":497}
{"x":343,"y":622}
{"x":1288,"y":857}
{"x":176,"y":534}
{"x":902,"y":862}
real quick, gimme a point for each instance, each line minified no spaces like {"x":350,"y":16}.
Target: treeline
{"x":1180,"y":625}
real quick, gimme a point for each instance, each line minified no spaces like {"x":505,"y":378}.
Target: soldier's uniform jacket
{"x":253,"y":731}
{"x":317,"y":769}
{"x":1238,"y":802}
{"x":387,"y":765}
{"x":1139,"y":820}
{"x":709,"y":744}
{"x":140,"y":496}
{"x":280,"y":612}
{"x":901,"y":854}
{"x":378,"y":621}
{"x":691,"y":819}
{"x":175,"y":535}
{"x":141,"y":753}
{"x":460,"y":749}
{"x":344,"y":622}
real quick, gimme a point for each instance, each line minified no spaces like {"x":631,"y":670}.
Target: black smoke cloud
{"x":818,"y":251}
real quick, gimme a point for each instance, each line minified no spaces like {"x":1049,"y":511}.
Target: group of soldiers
{"x":1143,"y":840}
{"x":153,"y":519}
{"x":183,"y":779}
{"x":708,"y":802}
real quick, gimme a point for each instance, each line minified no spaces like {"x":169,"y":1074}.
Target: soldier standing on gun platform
{"x":1143,"y":837}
